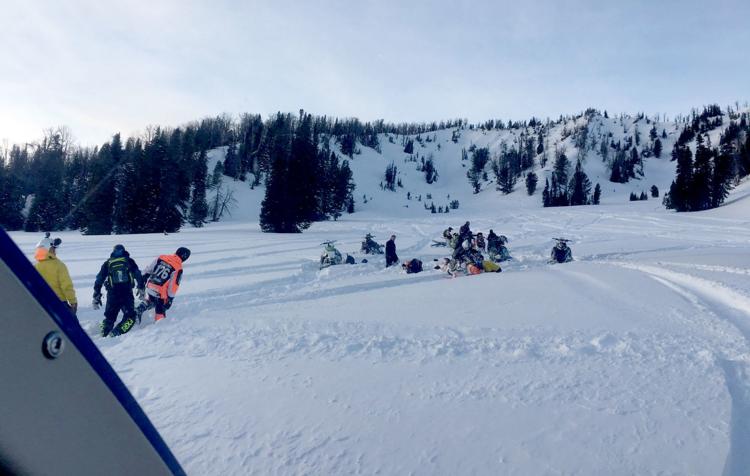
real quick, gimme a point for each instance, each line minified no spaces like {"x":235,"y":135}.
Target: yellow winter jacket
{"x":55,"y":273}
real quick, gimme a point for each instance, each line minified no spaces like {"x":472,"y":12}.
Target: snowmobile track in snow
{"x":733,"y":307}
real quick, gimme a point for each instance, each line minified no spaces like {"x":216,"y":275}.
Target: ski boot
{"x":105,"y":327}
{"x":123,"y":327}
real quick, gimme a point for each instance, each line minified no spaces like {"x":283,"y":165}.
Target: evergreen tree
{"x":232,"y":162}
{"x":409,"y":147}
{"x":678,"y":197}
{"x":48,"y":210}
{"x":133,"y":180}
{"x":343,"y":192}
{"x":643,"y":196}
{"x":619,"y":168}
{"x":531,"y":181}
{"x":182,"y":142}
{"x":597,"y":195}
{"x":604,"y":150}
{"x":635,"y":165}
{"x":348,"y":144}
{"x":198,"y":204}
{"x":561,"y":168}
{"x":546,"y":200}
{"x":721,"y":180}
{"x":657,"y":148}
{"x":273,"y":213}
{"x":700,"y":186}
{"x":217,"y":175}
{"x":480,"y":157}
{"x":160,"y":204}
{"x":743,"y":168}
{"x":100,"y":199}
{"x":430,"y":172}
{"x":250,"y":144}
{"x":654,"y":191}
{"x":391,"y":173}
{"x":11,"y":200}
{"x":506,"y":180}
{"x":329,"y":168}
{"x":580,"y":186}
{"x":303,"y":174}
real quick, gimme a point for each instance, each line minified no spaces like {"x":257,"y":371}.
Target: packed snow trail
{"x":630,"y":360}
{"x":735,"y":308}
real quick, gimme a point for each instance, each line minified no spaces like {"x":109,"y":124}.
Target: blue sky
{"x":101,"y":68}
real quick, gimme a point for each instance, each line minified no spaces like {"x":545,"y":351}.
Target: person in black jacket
{"x":119,"y":274}
{"x":391,"y":257}
{"x":464,"y":233}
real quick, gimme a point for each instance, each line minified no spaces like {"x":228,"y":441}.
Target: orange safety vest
{"x":165,"y":282}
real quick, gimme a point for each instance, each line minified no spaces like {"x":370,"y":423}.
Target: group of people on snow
{"x":159,"y":282}
{"x":155,"y":287}
{"x":467,"y":251}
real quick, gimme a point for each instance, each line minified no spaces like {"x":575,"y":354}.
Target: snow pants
{"x":153,"y":302}
{"x":119,"y":300}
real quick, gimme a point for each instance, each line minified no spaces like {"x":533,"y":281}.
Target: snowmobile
{"x":497,"y":250}
{"x":561,"y":252}
{"x":370,"y":246}
{"x":330,"y":256}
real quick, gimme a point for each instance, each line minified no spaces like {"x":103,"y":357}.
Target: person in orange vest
{"x":162,"y":278}
{"x":54,"y":271}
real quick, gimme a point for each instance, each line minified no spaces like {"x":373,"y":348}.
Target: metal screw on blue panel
{"x":53,"y":345}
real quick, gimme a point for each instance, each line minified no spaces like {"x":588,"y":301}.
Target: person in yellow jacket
{"x":54,"y":271}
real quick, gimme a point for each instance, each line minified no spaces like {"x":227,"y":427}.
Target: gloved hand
{"x":73,"y":308}
{"x":168,"y":303}
{"x":97,"y":302}
{"x":140,"y":293}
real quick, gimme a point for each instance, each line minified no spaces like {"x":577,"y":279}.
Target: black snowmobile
{"x":497,"y":250}
{"x":561,"y":252}
{"x":370,"y":246}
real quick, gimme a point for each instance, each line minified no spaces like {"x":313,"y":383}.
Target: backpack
{"x":119,"y":272}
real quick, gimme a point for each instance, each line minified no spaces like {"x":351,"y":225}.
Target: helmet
{"x":48,"y":242}
{"x":118,"y":248}
{"x":183,"y":253}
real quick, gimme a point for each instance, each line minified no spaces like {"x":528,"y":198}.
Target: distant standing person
{"x":391,"y":257}
{"x":119,"y":274}
{"x":464,"y":233}
{"x":54,"y":272}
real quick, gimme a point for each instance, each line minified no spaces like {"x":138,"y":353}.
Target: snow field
{"x":633,"y":359}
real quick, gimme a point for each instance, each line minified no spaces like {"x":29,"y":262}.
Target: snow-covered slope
{"x":633,"y":359}
{"x":369,"y":165}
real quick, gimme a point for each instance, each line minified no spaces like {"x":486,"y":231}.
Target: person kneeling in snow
{"x":412,"y":266}
{"x":119,"y":274}
{"x":163,"y":278}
